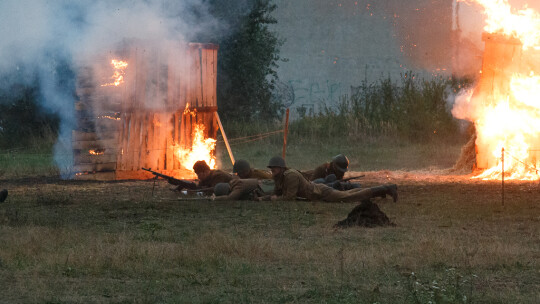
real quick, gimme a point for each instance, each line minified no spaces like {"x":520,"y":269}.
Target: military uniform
{"x":259,"y":174}
{"x":292,"y":184}
{"x":242,"y":189}
{"x":215,"y":177}
{"x":323,"y":171}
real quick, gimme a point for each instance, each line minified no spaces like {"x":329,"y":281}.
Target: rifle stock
{"x":174,"y":181}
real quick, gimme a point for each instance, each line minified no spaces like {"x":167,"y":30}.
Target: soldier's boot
{"x":3,"y":195}
{"x":382,"y":191}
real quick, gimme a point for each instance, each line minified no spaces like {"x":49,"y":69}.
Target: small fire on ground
{"x":505,"y":105}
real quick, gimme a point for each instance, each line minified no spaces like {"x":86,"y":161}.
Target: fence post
{"x":285,"y":133}
{"x":502,"y":158}
{"x":224,"y":137}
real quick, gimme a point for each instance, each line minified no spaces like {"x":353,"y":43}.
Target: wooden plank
{"x":137,"y":142}
{"x":86,"y":158}
{"x":204,"y":77}
{"x":169,"y":152}
{"x":213,"y":76}
{"x":157,"y":143}
{"x":150,"y":140}
{"x":94,"y":144}
{"x":125,"y":142}
{"x":163,"y":134}
{"x":132,"y":144}
{"x":195,"y":79}
{"x":143,"y":162}
{"x":176,"y":137}
{"x":94,"y":167}
{"x":92,"y":136}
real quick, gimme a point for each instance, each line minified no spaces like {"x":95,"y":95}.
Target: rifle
{"x":174,"y":181}
{"x":351,"y":178}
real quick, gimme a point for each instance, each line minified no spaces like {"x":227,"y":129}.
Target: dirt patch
{"x":367,"y":214}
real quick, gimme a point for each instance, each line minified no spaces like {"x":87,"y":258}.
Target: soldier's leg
{"x":383,"y":190}
{"x":332,"y":195}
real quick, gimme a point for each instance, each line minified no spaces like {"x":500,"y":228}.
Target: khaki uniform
{"x":259,"y":174}
{"x":241,"y":189}
{"x":215,"y":177}
{"x":323,"y":171}
{"x":292,"y":185}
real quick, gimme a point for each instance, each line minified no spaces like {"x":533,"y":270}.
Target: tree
{"x":247,"y":60}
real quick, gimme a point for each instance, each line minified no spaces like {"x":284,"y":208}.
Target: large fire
{"x":201,"y":148}
{"x":119,"y":71}
{"x":505,"y":105}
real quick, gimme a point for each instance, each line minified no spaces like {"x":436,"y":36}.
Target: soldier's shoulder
{"x":291,"y":172}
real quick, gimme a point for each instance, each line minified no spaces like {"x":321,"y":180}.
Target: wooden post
{"x":285,"y":133}
{"x":502,"y":159}
{"x":224,"y":137}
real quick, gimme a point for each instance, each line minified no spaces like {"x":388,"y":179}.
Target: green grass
{"x":20,"y":163}
{"x":69,"y":241}
{"x":367,"y":155}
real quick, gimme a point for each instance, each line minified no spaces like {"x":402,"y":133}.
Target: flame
{"x":523,"y":24}
{"x":96,"y":152}
{"x":119,"y":71}
{"x":188,"y":111}
{"x":506,"y":107}
{"x":201,"y":149}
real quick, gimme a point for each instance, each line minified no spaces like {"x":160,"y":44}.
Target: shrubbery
{"x":414,"y":109}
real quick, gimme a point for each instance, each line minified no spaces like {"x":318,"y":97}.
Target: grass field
{"x":131,"y":242}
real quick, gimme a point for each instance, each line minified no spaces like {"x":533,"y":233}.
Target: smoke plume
{"x":48,"y":42}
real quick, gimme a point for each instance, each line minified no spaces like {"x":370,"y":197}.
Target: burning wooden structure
{"x":501,"y":60}
{"x":148,"y":115}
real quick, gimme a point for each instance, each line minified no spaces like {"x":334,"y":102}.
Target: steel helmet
{"x":222,"y":189}
{"x":241,"y":166}
{"x":341,"y":162}
{"x":276,"y":161}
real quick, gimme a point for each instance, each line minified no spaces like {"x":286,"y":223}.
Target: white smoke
{"x":49,"y":41}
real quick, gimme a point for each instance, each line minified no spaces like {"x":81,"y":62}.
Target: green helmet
{"x":276,"y":161}
{"x":341,"y":162}
{"x":241,"y":166}
{"x":222,"y":189}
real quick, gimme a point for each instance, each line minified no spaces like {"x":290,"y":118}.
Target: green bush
{"x":416,"y":110}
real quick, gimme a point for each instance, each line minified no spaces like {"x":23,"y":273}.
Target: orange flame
{"x":96,"y":152}
{"x":119,"y":71}
{"x":201,"y":149}
{"x":504,"y":106}
{"x":523,"y":24}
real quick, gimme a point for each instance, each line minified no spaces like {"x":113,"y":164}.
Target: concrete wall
{"x":332,"y":45}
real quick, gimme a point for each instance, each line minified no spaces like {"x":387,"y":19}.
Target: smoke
{"x":48,"y":42}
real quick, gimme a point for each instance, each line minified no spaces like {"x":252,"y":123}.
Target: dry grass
{"x":66,"y":242}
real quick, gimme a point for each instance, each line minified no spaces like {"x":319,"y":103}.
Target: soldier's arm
{"x":235,"y":194}
{"x":319,"y":172}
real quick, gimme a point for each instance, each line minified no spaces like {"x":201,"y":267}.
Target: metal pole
{"x":285,"y":134}
{"x":502,"y":158}
{"x":224,"y":137}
